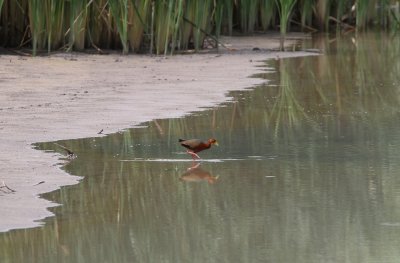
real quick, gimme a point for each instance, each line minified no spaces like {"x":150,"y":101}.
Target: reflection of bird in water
{"x":195,"y":145}
{"x":196,"y":174}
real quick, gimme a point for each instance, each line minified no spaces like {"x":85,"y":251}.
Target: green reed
{"x":248,"y":15}
{"x":203,"y":9}
{"x":218,"y":17}
{"x":139,"y":13}
{"x":162,"y":19}
{"x":55,"y":23}
{"x":1,"y":4}
{"x":134,"y":25}
{"x":77,"y":13}
{"x":119,"y":10}
{"x":36,"y":24}
{"x":267,"y":13}
{"x":285,"y":8}
{"x":364,"y":10}
{"x":306,"y":12}
{"x":9,"y":15}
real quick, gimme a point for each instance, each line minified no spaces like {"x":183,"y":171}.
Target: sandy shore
{"x":68,"y":96}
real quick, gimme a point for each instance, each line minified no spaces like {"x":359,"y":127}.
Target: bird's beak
{"x":216,"y":143}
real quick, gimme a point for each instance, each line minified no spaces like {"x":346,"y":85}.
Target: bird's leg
{"x":195,"y":165}
{"x":193,"y":154}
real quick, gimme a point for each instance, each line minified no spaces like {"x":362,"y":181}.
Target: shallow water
{"x":307,"y":171}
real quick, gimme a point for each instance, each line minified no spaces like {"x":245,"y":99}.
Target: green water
{"x":308,"y":170}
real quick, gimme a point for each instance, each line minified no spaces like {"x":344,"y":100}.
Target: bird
{"x":196,"y":145}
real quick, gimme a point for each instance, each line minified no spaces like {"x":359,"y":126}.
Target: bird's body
{"x":196,"y":145}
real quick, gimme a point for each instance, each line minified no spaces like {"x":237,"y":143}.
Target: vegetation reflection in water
{"x":306,"y":171}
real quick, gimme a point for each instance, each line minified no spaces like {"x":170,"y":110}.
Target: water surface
{"x":308,"y":170}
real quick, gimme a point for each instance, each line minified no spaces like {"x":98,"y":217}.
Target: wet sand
{"x":67,"y":96}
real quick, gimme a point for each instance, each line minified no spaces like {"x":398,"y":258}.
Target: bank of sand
{"x":67,"y":96}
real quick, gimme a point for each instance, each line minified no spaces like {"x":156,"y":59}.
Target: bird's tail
{"x":182,"y":140}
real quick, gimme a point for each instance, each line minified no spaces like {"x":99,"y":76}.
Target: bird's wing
{"x":192,"y":143}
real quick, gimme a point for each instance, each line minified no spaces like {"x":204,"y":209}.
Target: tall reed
{"x":54,"y":23}
{"x":138,"y":25}
{"x":36,"y":24}
{"x":162,"y":18}
{"x":248,"y":15}
{"x":77,"y":13}
{"x":218,"y":17}
{"x":306,"y":12}
{"x":227,"y":7}
{"x":340,"y":11}
{"x":364,"y":11}
{"x":119,"y":11}
{"x":171,"y":25}
{"x":203,"y":9}
{"x":1,"y":5}
{"x":321,"y":11}
{"x":267,"y":13}
{"x":13,"y":30}
{"x":285,"y":8}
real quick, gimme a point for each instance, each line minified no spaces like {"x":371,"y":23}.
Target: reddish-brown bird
{"x":195,"y":145}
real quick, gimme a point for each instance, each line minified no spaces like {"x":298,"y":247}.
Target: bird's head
{"x":213,"y":142}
